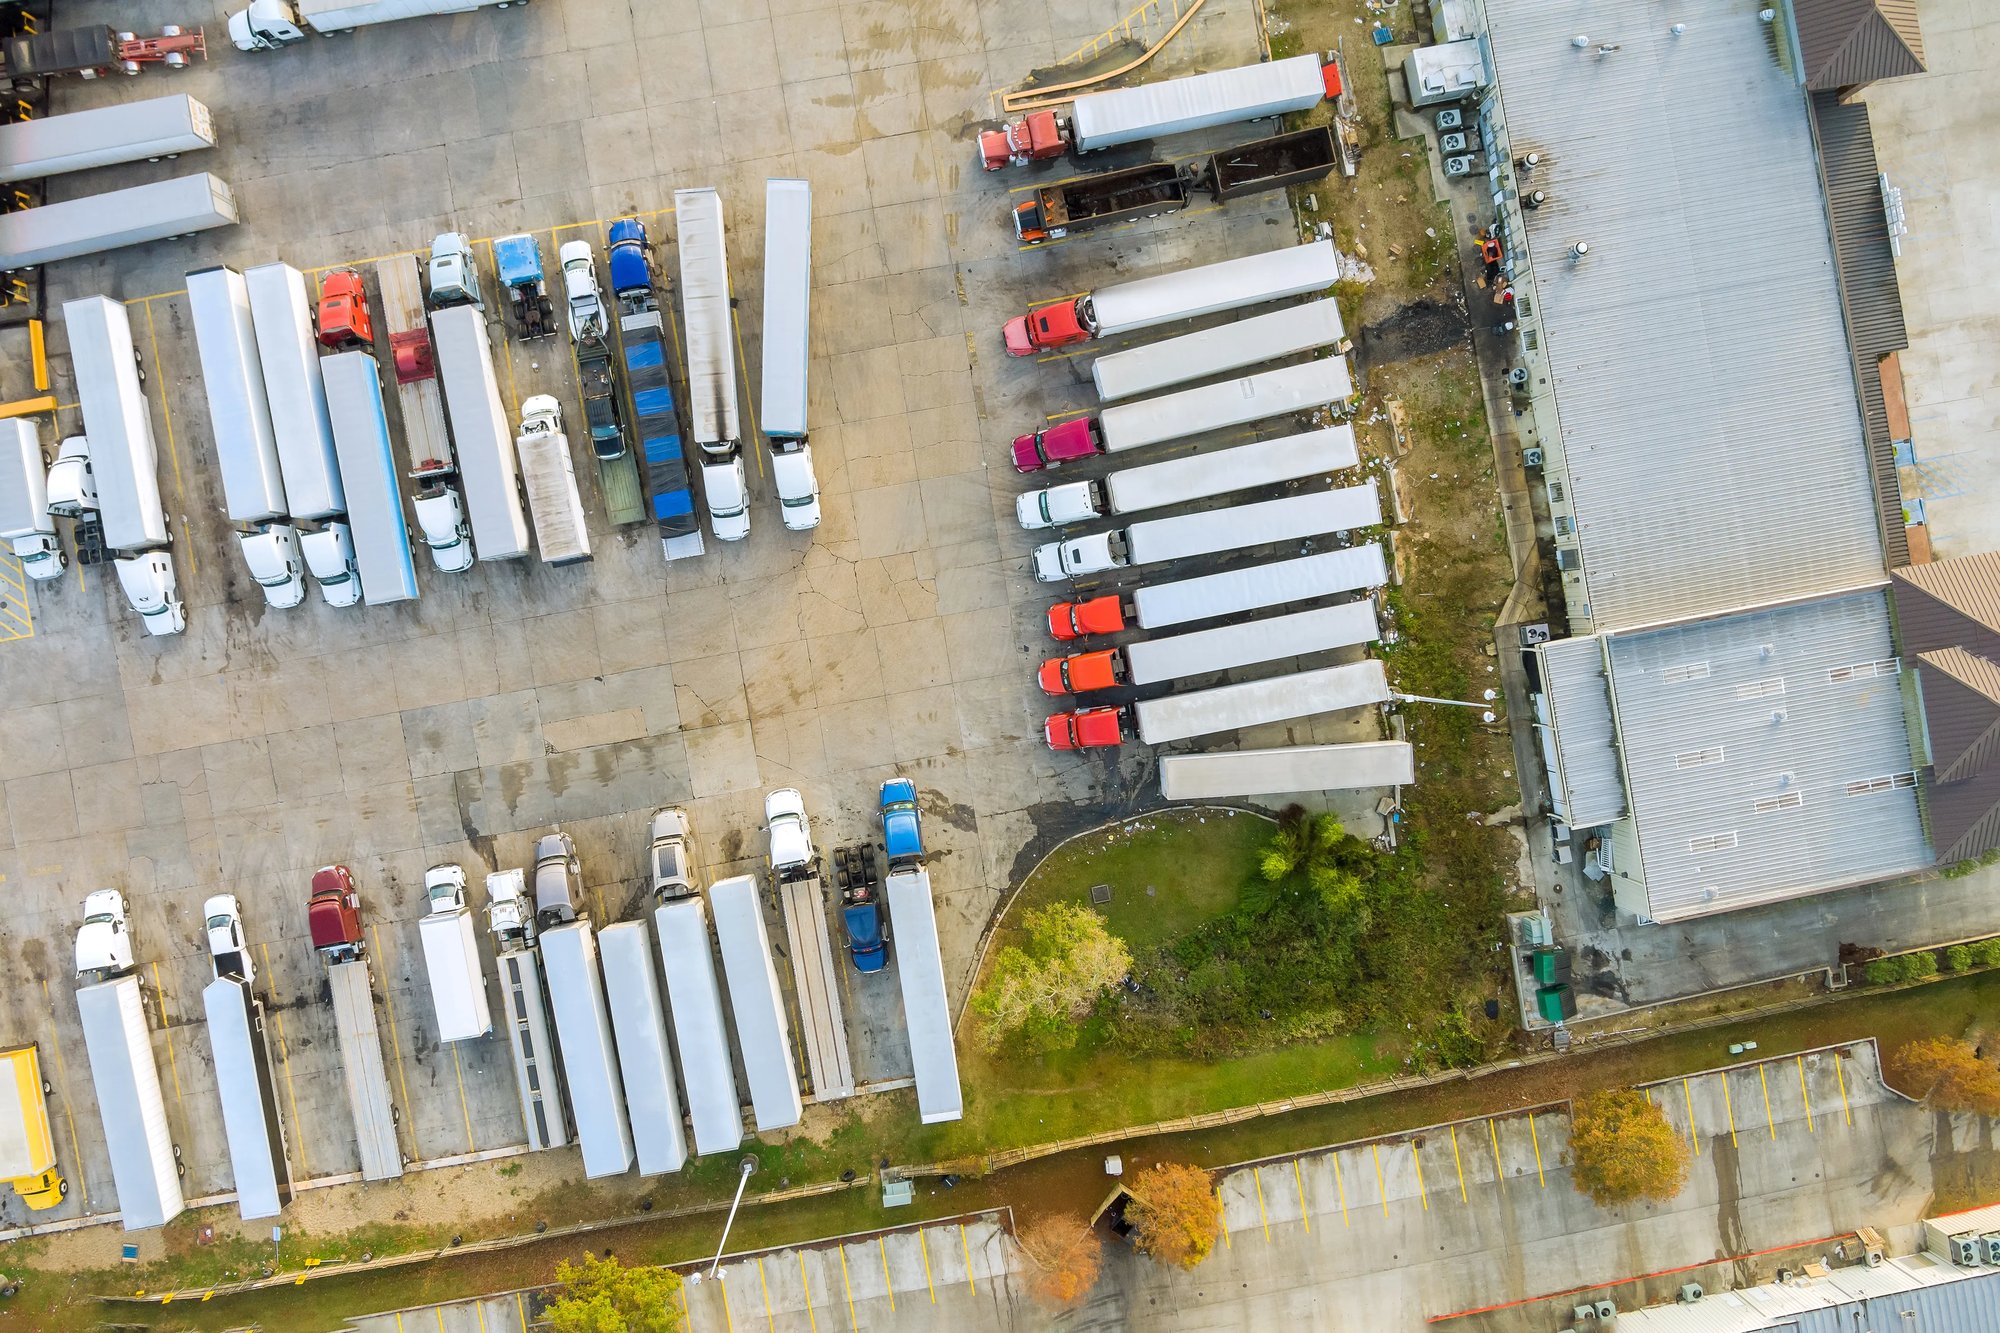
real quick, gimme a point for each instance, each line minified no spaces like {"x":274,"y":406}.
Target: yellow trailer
{"x":27,"y":1148}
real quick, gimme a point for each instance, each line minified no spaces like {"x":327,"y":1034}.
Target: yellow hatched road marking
{"x":1257,"y":1176}
{"x":1381,"y":1187}
{"x":1458,"y":1162}
{"x":923,"y":1243}
{"x":1804,"y":1095}
{"x":1340,"y":1189}
{"x":766,"y":1287}
{"x":963,"y":1244}
{"x":1693,"y":1137}
{"x":173,"y":1064}
{"x":848,"y":1287}
{"x":1535,"y":1136}
{"x":1422,"y":1193}
{"x":888,"y":1285}
{"x":17,"y":617}
{"x":1847,"y":1112}
{"x":1765,"y":1084}
{"x":1298,"y":1179}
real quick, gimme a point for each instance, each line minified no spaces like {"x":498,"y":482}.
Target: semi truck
{"x":926,"y":1010}
{"x":550,"y":475}
{"x":333,"y":920}
{"x":267,"y":25}
{"x":97,"y":52}
{"x":1210,"y":532}
{"x":25,"y":522}
{"x":1177,"y":717}
{"x":1283,"y":332}
{"x":250,"y":1122}
{"x":655,"y":413}
{"x":375,"y":522}
{"x":1189,"y":478}
{"x":1207,"y":651}
{"x":159,"y":127}
{"x":517,"y":260}
{"x":1359,"y":766}
{"x":711,"y":361}
{"x":762,"y":1034}
{"x":145,"y":1164}
{"x":1251,"y":588}
{"x":795,"y":866}
{"x":487,"y":471}
{"x":787,"y":354}
{"x":1156,"y":188}
{"x":589,"y":1060}
{"x":121,"y":460}
{"x":95,"y":223}
{"x":1229,"y":284}
{"x":27,"y":1146}
{"x":440,"y":514}
{"x":645,"y":1062}
{"x":1153,"y":110}
{"x":451,"y":958}
{"x":694,"y":1000}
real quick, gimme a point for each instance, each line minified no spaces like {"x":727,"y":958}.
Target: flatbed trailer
{"x":425,"y":439}
{"x":817,"y":985}
{"x":367,"y":1075}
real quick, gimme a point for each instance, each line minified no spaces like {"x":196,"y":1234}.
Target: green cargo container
{"x":1556,"y":1004}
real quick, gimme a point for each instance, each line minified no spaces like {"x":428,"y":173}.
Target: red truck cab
{"x":343,"y":311}
{"x":1048,"y":326}
{"x":333,"y":914}
{"x":1052,"y":445}
{"x":1085,"y":729}
{"x":1074,"y":620}
{"x":1035,"y":136}
{"x":1099,"y":670}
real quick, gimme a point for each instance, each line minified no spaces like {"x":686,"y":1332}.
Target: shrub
{"x":1958,"y":958}
{"x":1919,"y":965}
{"x":1068,"y":1256}
{"x":1987,"y":952}
{"x":1175,"y":1214}
{"x":1884,"y":972}
{"x":1039,"y":995}
{"x":1947,"y":1074}
{"x":1960,"y":869}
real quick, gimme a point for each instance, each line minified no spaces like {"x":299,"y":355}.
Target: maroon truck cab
{"x":1085,"y":729}
{"x":1053,"y":445}
{"x":1074,"y":620}
{"x":1056,"y":325}
{"x":1035,"y":136}
{"x":333,"y":914}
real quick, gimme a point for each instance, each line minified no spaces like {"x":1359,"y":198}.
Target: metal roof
{"x":1586,"y":741}
{"x":1740,"y":738}
{"x":1709,"y":423}
{"x":1845,"y":42}
{"x":1916,"y":1292}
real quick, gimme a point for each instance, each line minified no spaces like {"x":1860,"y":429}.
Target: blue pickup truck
{"x":902,"y":833}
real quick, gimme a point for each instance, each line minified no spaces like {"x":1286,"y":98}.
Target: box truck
{"x":1210,"y":532}
{"x":711,"y":361}
{"x":1152,"y":110}
{"x":550,"y":474}
{"x":145,"y":1164}
{"x":762,"y":1034}
{"x":1280,"y":333}
{"x":926,"y":1009}
{"x":25,"y":522}
{"x":242,"y":1066}
{"x":288,"y":355}
{"x":27,"y":1146}
{"x":1228,"y":284}
{"x":333,"y":920}
{"x":451,"y":958}
{"x":645,"y":1064}
{"x":1176,"y":717}
{"x":1208,"y":651}
{"x":589,"y":1060}
{"x":100,"y":222}
{"x":1189,"y":478}
{"x":487,"y":471}
{"x":787,"y":354}
{"x":158,"y":127}
{"x":375,"y":520}
{"x":266,"y":25}
{"x":1360,"y":766}
{"x":694,"y":1000}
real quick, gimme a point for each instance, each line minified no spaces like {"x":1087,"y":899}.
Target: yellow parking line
{"x":1765,"y":1084}
{"x":395,"y":1036}
{"x":1846,"y":1111}
{"x":749,"y":399}
{"x":285,"y":1060}
{"x":173,"y":1065}
{"x":888,"y":1285}
{"x":1340,"y":1188}
{"x":728,"y":1319}
{"x":1381,"y":1187}
{"x":1804,"y":1095}
{"x":769,"y":1322}
{"x":1458,"y":1162}
{"x":848,"y":1287}
{"x":966,"y":1246}
{"x":1258,"y":1177}
{"x":1536,"y":1137}
{"x":1061,"y":416}
{"x":805,"y":1284}
{"x":1298,"y":1179}
{"x":1693,"y":1137}
{"x":1499,"y":1171}
{"x":166,"y":411}
{"x":458,"y":1069}
{"x":923,"y":1243}
{"x":479,"y":1308}
{"x":1729,"y":1105}
{"x":1422,"y":1192}
{"x":521,"y":1308}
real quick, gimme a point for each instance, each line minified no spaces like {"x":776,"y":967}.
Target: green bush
{"x":1960,"y":869}
{"x":1987,"y":952}
{"x":1958,"y":958}
{"x":1919,"y":965}
{"x":1990,"y":857}
{"x":1884,"y":972}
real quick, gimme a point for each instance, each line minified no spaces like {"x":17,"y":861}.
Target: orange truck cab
{"x":1074,"y":620}
{"x":1100,"y":670}
{"x":1036,"y":136}
{"x":1085,"y":729}
{"x":1056,"y":325}
{"x":343,"y":311}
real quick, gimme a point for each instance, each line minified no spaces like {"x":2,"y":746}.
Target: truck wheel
{"x":62,"y":1189}
{"x":47,"y":1091}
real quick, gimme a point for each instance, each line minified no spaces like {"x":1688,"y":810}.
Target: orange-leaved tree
{"x":1947,"y":1074}
{"x":1622,"y":1148}
{"x":1068,"y":1256}
{"x":1175,"y":1214}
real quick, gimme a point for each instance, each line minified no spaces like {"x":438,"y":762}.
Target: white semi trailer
{"x":589,"y":1059}
{"x":145,"y":1164}
{"x":1283,"y":332}
{"x":25,"y":522}
{"x":926,"y":1010}
{"x":1237,"y":402}
{"x":1211,"y":532}
{"x":1221,"y":774}
{"x":711,"y":361}
{"x":1193,"y":477}
{"x":762,"y":1033}
{"x":1177,"y":717}
{"x":250,"y":1120}
{"x":715,"y":1109}
{"x":375,"y":520}
{"x":158,"y":127}
{"x":645,"y":1061}
{"x":100,"y":222}
{"x":487,"y":468}
{"x":267,"y":25}
{"x":1206,"y":652}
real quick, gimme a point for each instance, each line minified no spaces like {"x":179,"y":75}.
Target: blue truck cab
{"x":864,"y":936}
{"x":630,"y":273}
{"x":902,"y":833}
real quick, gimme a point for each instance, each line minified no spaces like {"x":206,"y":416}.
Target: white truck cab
{"x":727,"y":496}
{"x":509,"y":914}
{"x":790,"y":831}
{"x":441,"y":519}
{"x":1056,"y":561}
{"x":586,"y":298}
{"x":272,"y":553}
{"x":329,"y":554}
{"x":72,"y":485}
{"x":103,"y":944}
{"x":444,"y":885}
{"x":222,"y":917}
{"x":265,"y":26}
{"x":1053,"y":506}
{"x":454,"y":274}
{"x":798,"y":487}
{"x":150,"y":588}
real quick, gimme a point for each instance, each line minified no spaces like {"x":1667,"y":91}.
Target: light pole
{"x":749,"y":1168}
{"x":1485,"y":714}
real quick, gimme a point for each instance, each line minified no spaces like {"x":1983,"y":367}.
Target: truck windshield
{"x":98,"y":919}
{"x":217,"y":922}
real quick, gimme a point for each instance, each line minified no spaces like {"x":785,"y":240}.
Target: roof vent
{"x":1534,"y":199}
{"x":1768,"y":15}
{"x":1580,"y":41}
{"x":1578,"y":251}
{"x":1777,"y":716}
{"x":1677,"y":30}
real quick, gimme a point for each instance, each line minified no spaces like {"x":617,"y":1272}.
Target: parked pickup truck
{"x":227,"y":950}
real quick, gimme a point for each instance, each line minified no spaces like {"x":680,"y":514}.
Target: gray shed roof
{"x":1710,"y":425}
{"x":1742,"y":737}
{"x":1586,"y":742}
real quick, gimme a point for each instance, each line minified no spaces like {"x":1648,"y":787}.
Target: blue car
{"x":902,"y":833}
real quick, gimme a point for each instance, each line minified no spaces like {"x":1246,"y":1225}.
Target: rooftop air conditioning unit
{"x":1964,"y":1251}
{"x":1531,"y":458}
{"x":1455,"y":142}
{"x":1451,"y":118}
{"x":1534,"y":634}
{"x":1607,"y":1313}
{"x":1691,"y":1292}
{"x":1458,"y":166}
{"x":1991,"y":1243}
